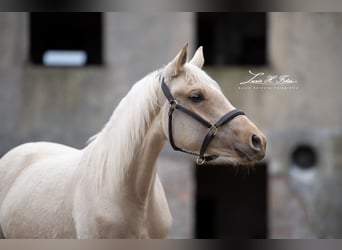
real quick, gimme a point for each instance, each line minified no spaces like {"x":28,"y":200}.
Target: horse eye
{"x":196,"y":97}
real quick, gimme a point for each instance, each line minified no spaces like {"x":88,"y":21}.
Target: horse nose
{"x":256,"y":143}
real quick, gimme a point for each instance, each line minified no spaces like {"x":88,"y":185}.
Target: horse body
{"x":32,"y":206}
{"x":110,"y":188}
{"x":45,"y":207}
{"x":50,"y":190}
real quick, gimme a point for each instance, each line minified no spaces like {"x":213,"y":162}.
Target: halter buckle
{"x":213,"y":128}
{"x":200,"y":160}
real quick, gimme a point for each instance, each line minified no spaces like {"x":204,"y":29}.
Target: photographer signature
{"x":269,"y":79}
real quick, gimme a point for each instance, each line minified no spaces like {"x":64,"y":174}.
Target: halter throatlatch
{"x":212,"y":127}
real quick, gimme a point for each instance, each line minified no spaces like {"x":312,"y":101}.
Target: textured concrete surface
{"x":287,"y":217}
{"x":307,"y":46}
{"x":176,"y":172}
{"x":69,"y":105}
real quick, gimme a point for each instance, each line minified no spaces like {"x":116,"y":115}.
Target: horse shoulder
{"x":120,"y":217}
{"x":98,"y":216}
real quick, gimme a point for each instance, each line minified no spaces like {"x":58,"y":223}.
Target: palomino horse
{"x":110,"y":189}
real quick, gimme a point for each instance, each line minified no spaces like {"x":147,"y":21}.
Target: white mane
{"x":111,"y":151}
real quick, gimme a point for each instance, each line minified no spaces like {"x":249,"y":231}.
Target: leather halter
{"x":212,"y":127}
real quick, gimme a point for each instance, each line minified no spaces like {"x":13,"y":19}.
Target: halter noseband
{"x":212,"y":127}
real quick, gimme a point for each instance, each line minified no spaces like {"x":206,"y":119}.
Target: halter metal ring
{"x":200,"y":160}
{"x":214,"y":128}
{"x":173,"y":104}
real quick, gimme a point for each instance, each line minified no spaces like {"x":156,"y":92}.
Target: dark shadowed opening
{"x":230,"y":202}
{"x":233,"y":38}
{"x":304,"y":156}
{"x":68,"y":35}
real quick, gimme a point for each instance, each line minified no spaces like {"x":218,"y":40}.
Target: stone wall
{"x":68,"y":105}
{"x":308,"y":47}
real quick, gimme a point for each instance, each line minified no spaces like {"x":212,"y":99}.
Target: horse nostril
{"x":256,"y":142}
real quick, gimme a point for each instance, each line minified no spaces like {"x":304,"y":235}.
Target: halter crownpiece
{"x":212,"y":127}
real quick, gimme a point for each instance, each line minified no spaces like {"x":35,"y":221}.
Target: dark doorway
{"x":233,"y":38}
{"x":231,"y":203}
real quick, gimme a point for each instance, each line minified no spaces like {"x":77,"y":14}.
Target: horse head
{"x":199,"y":119}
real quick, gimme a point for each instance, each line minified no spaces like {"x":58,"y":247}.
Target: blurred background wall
{"x":294,"y":193}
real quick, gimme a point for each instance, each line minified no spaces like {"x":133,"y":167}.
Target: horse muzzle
{"x":254,"y":148}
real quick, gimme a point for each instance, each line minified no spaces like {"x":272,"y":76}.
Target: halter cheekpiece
{"x":212,"y":127}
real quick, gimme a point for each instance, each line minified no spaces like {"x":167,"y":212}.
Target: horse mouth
{"x":242,"y":155}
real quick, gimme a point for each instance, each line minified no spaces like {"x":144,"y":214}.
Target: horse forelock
{"x":193,"y":74}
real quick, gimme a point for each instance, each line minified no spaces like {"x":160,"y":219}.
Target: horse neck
{"x":143,"y":169}
{"x":119,"y":151}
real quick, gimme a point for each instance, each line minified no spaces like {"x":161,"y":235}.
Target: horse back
{"x":21,"y":157}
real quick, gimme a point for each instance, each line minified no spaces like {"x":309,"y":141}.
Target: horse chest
{"x":132,"y":222}
{"x":122,"y":217}
{"x":153,"y":221}
{"x":158,"y":213}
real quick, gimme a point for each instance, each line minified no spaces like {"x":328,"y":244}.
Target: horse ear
{"x":198,"y":58}
{"x":177,"y":64}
